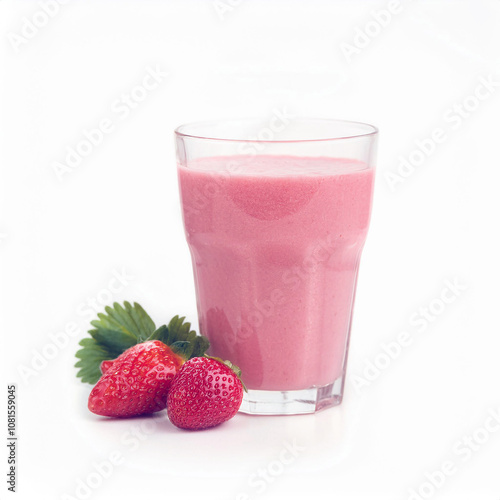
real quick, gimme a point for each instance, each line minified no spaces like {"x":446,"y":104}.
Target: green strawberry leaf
{"x":179,"y":336}
{"x":90,"y":358}
{"x":113,"y":333}
{"x":132,"y":321}
{"x":182,"y":348}
{"x":122,"y":327}
{"x":200,"y":347}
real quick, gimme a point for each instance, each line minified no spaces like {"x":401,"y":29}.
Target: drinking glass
{"x":276,"y":213}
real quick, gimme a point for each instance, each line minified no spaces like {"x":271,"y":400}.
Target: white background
{"x":62,"y":238}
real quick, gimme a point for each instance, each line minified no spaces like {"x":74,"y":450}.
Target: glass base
{"x":297,"y":402}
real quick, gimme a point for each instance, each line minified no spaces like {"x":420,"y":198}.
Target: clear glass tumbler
{"x":276,"y":214}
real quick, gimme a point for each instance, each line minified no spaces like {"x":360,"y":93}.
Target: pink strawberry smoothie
{"x":275,"y":244}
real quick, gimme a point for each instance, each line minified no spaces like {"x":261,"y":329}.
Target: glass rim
{"x":370,"y":130}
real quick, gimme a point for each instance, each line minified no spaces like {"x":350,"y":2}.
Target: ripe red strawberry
{"x":106,"y":365}
{"x":205,"y":392}
{"x":137,"y":382}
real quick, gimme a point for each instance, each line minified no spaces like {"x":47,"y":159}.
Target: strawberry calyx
{"x":181,"y":339}
{"x":236,"y":369}
{"x":123,"y":326}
